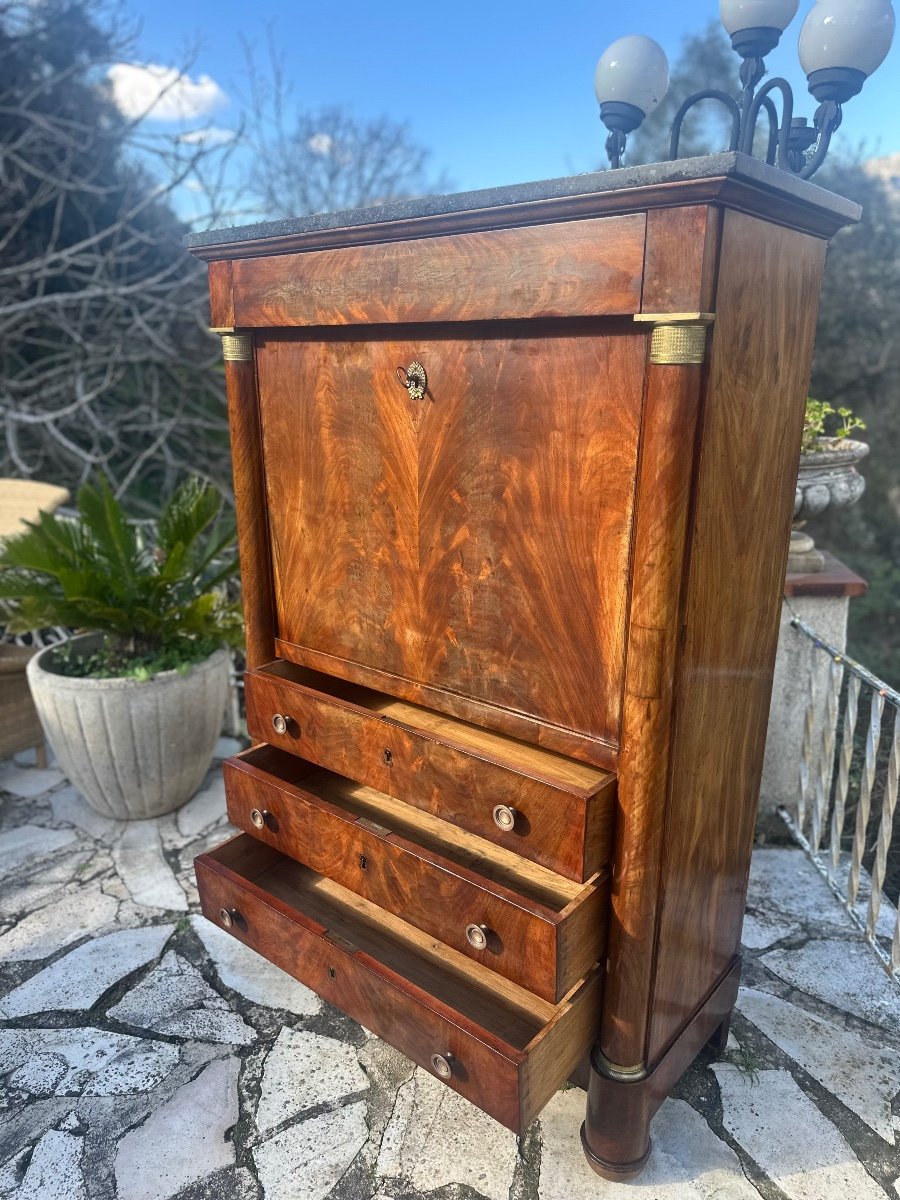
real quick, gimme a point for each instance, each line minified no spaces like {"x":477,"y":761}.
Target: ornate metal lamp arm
{"x":781,"y":132}
{"x":827,"y":119}
{"x":841,"y":44}
{"x":615,"y":147}
{"x":710,"y":94}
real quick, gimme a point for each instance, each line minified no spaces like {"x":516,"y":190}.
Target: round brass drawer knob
{"x":442,"y":1065}
{"x":259,"y":818}
{"x":505,"y":818}
{"x":227,"y":916}
{"x":280,"y":723}
{"x":477,"y":936}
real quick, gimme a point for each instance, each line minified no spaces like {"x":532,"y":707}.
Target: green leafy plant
{"x":818,"y":418}
{"x":156,"y":594}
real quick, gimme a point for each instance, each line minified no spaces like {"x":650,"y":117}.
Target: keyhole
{"x":363,"y":862}
{"x":388,"y":757}
{"x":331,"y":973}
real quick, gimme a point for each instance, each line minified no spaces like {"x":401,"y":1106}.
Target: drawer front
{"x":475,"y":539}
{"x":508,"y":1081}
{"x":574,"y":269}
{"x":544,"y":941}
{"x":567,"y":831}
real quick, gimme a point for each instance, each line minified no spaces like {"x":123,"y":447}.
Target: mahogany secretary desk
{"x":514,"y":475}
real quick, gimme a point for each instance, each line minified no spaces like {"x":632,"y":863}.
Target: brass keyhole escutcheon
{"x":415,"y":379}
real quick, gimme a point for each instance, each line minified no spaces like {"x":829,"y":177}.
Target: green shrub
{"x":818,"y":414}
{"x":156,"y":594}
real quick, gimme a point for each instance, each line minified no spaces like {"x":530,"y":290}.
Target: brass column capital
{"x":236,"y":347}
{"x":678,"y":338}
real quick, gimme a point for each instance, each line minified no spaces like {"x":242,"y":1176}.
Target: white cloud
{"x":162,"y":92}
{"x":211,"y":136}
{"x":321,"y":143}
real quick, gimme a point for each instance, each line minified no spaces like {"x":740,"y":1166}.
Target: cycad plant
{"x":155,"y":593}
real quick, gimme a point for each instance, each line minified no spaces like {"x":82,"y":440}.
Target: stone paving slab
{"x":147,"y":1055}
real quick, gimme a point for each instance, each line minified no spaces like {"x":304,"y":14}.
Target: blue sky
{"x":500,"y":92}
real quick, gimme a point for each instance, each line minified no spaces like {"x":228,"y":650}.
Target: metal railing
{"x":846,"y":815}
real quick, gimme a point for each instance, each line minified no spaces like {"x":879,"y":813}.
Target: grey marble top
{"x":737,"y":166}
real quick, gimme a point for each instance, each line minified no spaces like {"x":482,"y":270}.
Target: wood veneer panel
{"x":476,"y":541}
{"x":599,"y":752}
{"x":669,"y":433}
{"x":679,"y":270}
{"x":419,"y":996}
{"x":449,"y":768}
{"x":221,"y":296}
{"x":766,"y":305}
{"x":577,"y":269}
{"x":545,"y":932}
{"x":251,"y":512}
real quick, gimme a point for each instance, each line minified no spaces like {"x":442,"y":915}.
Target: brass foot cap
{"x":615,"y":1172}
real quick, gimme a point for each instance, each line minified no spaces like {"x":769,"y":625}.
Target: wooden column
{"x":671,"y":409}
{"x":249,"y":496}
{"x":679,"y":280}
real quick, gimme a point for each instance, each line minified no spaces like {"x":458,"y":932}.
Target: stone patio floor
{"x":146,"y":1055}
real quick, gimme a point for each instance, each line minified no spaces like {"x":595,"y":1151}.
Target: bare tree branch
{"x":105,"y":361}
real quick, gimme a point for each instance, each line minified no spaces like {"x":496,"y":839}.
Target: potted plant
{"x":827,"y":477}
{"x":133,"y":704}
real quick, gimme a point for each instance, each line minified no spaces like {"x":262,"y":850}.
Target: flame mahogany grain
{"x":588,"y":269}
{"x":566,"y":561}
{"x":565,"y":809}
{"x":545,"y":932}
{"x":476,"y":540}
{"x":510,"y":1051}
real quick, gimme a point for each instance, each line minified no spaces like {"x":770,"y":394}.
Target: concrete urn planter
{"x":827,"y":478}
{"x":133,"y":748}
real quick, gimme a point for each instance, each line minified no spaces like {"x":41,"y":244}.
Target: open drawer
{"x":497,"y":1045}
{"x":547,"y":808}
{"x":536,"y":928}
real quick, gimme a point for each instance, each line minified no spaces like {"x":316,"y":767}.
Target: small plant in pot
{"x":133,"y":704}
{"x":827,"y":477}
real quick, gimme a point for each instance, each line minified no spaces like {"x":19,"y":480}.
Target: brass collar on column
{"x":236,"y":347}
{"x":678,"y":338}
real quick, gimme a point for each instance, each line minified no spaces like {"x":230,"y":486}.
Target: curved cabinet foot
{"x":616,"y":1172}
{"x":621,"y":1104}
{"x":718,"y":1043}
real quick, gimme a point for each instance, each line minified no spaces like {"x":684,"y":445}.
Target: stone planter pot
{"x":827,"y":478}
{"x":135,"y":749}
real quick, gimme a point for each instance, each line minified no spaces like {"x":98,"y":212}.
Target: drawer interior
{"x":357,"y":801}
{"x":493,"y":1003}
{"x":563,"y":772}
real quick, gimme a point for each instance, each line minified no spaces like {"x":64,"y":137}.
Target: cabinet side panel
{"x":766,"y":307}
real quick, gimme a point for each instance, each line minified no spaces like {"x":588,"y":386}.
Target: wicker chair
{"x":21,"y":500}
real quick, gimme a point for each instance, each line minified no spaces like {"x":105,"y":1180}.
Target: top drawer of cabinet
{"x":586,"y":268}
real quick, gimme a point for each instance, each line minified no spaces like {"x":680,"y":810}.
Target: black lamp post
{"x":841,"y":43}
